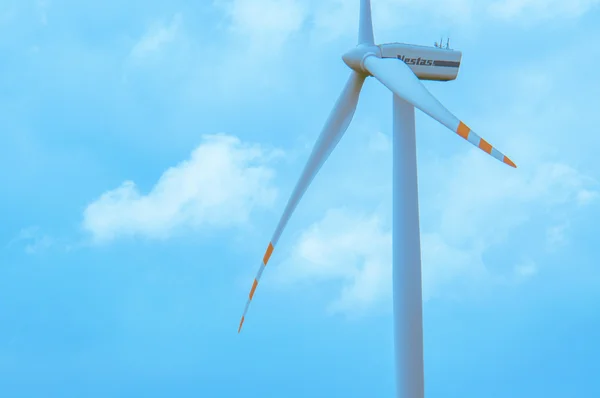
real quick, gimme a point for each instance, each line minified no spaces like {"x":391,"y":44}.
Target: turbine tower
{"x":400,"y":67}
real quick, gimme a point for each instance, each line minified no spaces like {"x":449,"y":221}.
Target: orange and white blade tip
{"x":266,"y":258}
{"x":465,"y":132}
{"x":509,"y":162}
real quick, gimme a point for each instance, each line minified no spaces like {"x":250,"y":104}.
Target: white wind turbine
{"x":399,"y":67}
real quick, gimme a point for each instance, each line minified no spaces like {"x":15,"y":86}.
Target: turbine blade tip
{"x":509,"y":162}
{"x":240,"y":327}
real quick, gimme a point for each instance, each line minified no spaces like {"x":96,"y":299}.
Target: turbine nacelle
{"x":355,"y":58}
{"x":427,"y":63}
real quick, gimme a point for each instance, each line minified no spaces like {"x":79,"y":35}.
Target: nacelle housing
{"x":428,"y":63}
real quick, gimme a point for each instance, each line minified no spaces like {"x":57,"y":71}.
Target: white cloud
{"x":556,"y":235}
{"x":41,"y":8}
{"x":479,"y":206}
{"x":8,"y":13}
{"x":264,"y":22}
{"x":33,"y":240}
{"x":220,"y":185}
{"x":526,"y":269}
{"x":450,"y":269}
{"x":331,"y":19}
{"x":585,"y":196}
{"x":379,"y":142}
{"x":158,"y":36}
{"x":480,"y":199}
{"x":540,"y":9}
{"x":335,"y":18}
{"x":271,"y":23}
{"x":343,"y":246}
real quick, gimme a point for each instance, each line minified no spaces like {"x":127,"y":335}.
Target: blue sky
{"x":148,"y":149}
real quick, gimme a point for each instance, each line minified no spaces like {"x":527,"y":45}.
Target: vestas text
{"x":416,"y":61}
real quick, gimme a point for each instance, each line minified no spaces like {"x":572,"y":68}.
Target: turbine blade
{"x":397,"y":76}
{"x":365,"y":24}
{"x":335,"y":127}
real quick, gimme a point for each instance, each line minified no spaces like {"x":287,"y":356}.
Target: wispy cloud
{"x":540,"y":9}
{"x":526,"y":269}
{"x":158,"y":36}
{"x":336,"y":18}
{"x":32,"y":239}
{"x":585,"y":196}
{"x":221,"y":183}
{"x":475,"y":214}
{"x":332,"y":19}
{"x":264,"y":22}
{"x":556,"y":235}
{"x":344,"y":246}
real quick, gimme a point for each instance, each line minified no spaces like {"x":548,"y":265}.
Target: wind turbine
{"x":399,"y":67}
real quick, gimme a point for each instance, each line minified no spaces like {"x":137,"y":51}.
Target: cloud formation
{"x":540,"y":9}
{"x":477,"y":210}
{"x":221,"y":183}
{"x":264,"y":22}
{"x":157,"y":36}
{"x":34,"y":241}
{"x":343,"y":246}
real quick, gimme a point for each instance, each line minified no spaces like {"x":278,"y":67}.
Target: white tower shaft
{"x":407,"y":296}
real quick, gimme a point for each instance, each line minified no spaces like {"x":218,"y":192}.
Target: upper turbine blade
{"x":365,"y":25}
{"x":397,"y":76}
{"x":335,"y":127}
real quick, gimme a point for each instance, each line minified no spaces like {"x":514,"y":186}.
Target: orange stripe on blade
{"x":484,"y":145}
{"x":253,"y":288}
{"x":241,"y":323}
{"x":268,"y":254}
{"x":463,"y":130}
{"x":509,"y":162}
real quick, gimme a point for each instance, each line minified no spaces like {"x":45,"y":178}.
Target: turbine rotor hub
{"x":355,"y":58}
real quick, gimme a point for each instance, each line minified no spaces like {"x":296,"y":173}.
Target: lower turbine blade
{"x":335,"y":127}
{"x":397,"y":76}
